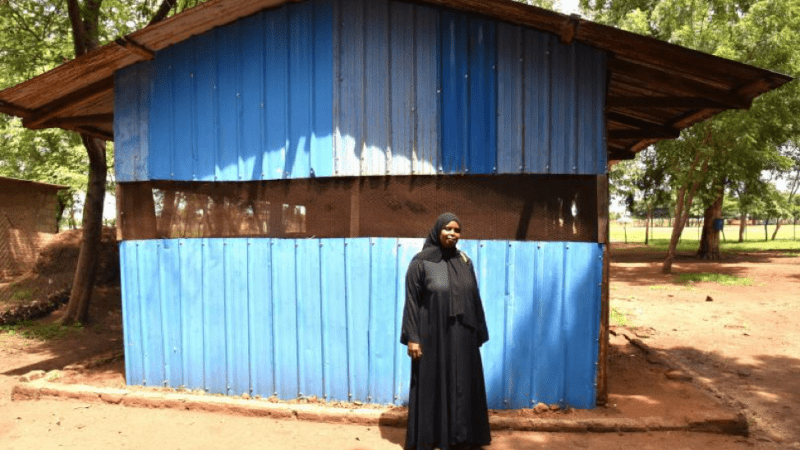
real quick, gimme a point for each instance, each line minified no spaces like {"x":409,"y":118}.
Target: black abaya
{"x":444,"y":313}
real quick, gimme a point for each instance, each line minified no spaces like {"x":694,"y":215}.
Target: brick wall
{"x":27,"y":222}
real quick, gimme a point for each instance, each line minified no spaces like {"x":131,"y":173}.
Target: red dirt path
{"x":744,"y":345}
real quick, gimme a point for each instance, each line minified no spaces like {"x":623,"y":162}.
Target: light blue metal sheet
{"x":150,"y":304}
{"x":309,"y":317}
{"x":300,"y":99}
{"x":214,"y":331}
{"x":490,"y":265}
{"x":334,"y":323}
{"x":357,"y":270}
{"x":132,"y":117}
{"x":284,"y":301}
{"x":261,"y":324}
{"x":237,"y":335}
{"x":521,"y":310}
{"x":131,"y":315}
{"x":171,"y":326}
{"x":229,"y":98}
{"x":322,"y":316}
{"x":191,"y":276}
{"x":382,"y":320}
{"x":406,"y":249}
{"x":582,"y":279}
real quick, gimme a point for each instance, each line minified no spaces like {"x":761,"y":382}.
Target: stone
{"x":540,"y":408}
{"x":32,"y":375}
{"x":677,"y":375}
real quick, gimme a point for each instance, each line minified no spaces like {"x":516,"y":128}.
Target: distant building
{"x":27,"y":221}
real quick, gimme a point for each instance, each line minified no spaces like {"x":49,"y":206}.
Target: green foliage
{"x":618,"y":318}
{"x":39,"y":331}
{"x":719,"y":278}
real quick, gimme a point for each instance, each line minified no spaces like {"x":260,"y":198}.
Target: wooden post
{"x":137,"y":216}
{"x":602,"y":238}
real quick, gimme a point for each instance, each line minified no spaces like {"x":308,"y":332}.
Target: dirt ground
{"x":742,"y":347}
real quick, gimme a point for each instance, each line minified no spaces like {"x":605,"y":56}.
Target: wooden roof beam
{"x":662,"y":102}
{"x":93,"y":119}
{"x":13,"y":110}
{"x":643,"y":129}
{"x":672,"y":81}
{"x":134,"y":47}
{"x":57,"y":106}
{"x":570,"y":28}
{"x":93,"y":132}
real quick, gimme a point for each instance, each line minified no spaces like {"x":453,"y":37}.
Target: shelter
{"x":28,"y":218}
{"x":278,"y":161}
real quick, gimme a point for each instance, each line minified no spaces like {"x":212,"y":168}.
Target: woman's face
{"x":450,"y":234}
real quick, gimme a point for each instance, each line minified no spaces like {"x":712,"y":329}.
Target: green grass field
{"x":788,"y":238}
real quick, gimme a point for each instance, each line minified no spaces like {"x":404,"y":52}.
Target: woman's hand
{"x":415,"y":350}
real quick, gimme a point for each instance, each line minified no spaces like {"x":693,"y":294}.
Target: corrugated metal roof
{"x":655,"y":88}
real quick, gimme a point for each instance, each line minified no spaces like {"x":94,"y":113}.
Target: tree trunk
{"x":742,"y":226}
{"x":709,"y":240}
{"x":83,"y":282}
{"x":647,"y":226}
{"x":683,"y":206}
{"x":777,"y":227}
{"x":766,"y":233}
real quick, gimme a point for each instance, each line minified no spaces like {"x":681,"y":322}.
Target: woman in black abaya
{"x":443,"y":327}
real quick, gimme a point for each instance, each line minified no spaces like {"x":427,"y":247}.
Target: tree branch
{"x":78,"y":30}
{"x":163,"y":10}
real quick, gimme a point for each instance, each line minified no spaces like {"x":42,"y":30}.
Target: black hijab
{"x":461,"y":281}
{"x":432,"y":249}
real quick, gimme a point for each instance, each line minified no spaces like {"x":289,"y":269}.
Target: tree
{"x":37,"y":35}
{"x":735,"y":146}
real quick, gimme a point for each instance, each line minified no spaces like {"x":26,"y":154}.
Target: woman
{"x":443,"y":326}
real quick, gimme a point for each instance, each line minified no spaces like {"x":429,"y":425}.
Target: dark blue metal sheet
{"x":417,"y":90}
{"x":276,"y":99}
{"x":322,"y":316}
{"x":322,"y":130}
{"x":454,"y":31}
{"x":206,"y":107}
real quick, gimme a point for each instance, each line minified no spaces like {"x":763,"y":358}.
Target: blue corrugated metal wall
{"x":302,"y":317}
{"x":361,"y":87}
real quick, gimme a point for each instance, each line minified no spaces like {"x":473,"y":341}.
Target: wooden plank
{"x":55,"y":107}
{"x":661,"y":102}
{"x":602,"y":209}
{"x":138,"y":216}
{"x":91,"y":119}
{"x":136,"y":48}
{"x":603,"y":347}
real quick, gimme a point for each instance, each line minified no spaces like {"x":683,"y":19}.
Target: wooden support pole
{"x":602,"y":238}
{"x":355,"y":208}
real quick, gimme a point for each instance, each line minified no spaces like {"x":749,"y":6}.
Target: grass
{"x":619,"y":318}
{"x":720,"y":278}
{"x":38,"y":331}
{"x":22,"y":294}
{"x":690,"y":238}
{"x":659,"y":287}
